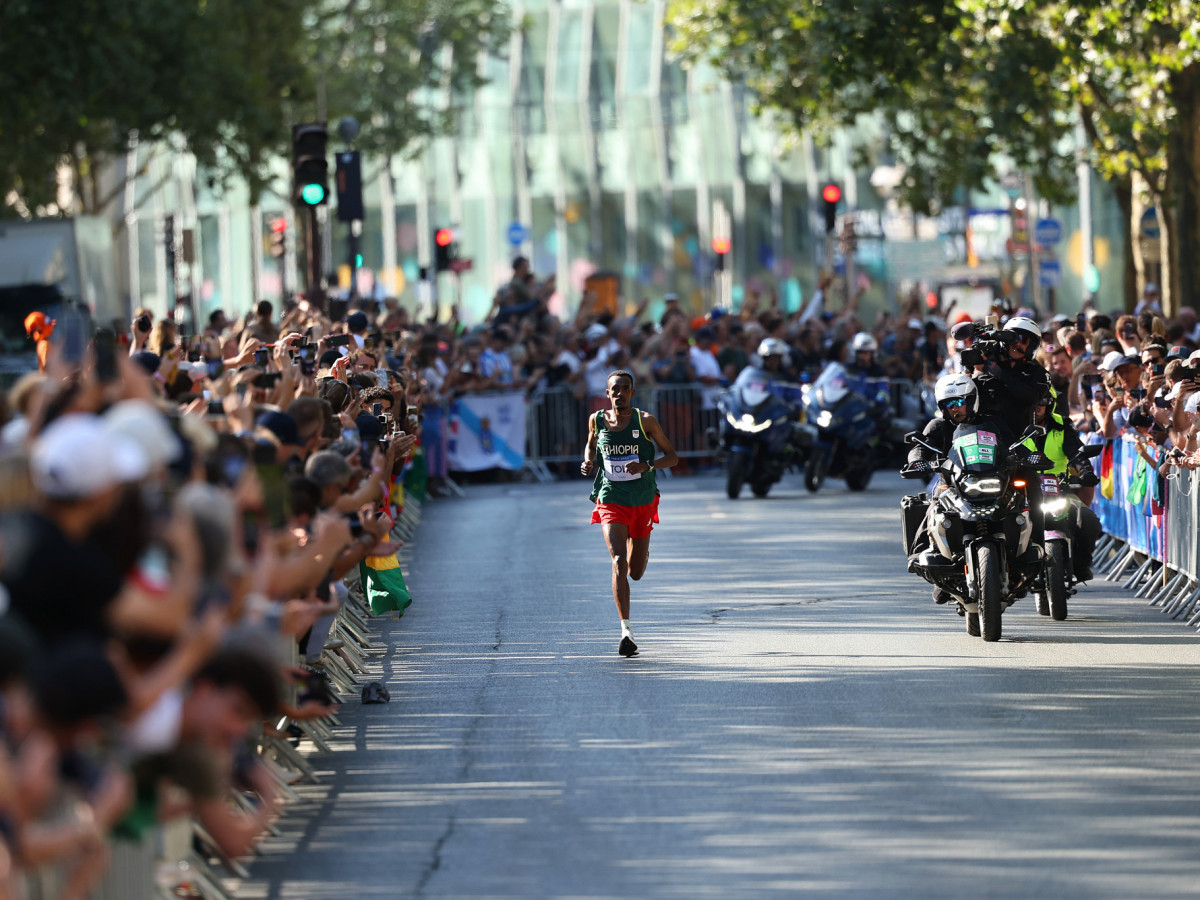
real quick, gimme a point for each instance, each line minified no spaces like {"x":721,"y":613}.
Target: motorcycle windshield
{"x":977,"y":448}
{"x":831,"y":387}
{"x":754,"y":393}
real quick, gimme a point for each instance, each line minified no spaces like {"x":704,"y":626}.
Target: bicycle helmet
{"x":863,"y":342}
{"x":772,"y":347}
{"x":951,"y":389}
{"x":1029,"y":327}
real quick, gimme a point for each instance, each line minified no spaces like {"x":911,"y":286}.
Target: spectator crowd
{"x":183,"y":513}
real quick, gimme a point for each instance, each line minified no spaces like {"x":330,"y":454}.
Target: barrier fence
{"x":1151,"y":543}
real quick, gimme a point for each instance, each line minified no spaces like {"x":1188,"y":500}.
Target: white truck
{"x":48,"y":265}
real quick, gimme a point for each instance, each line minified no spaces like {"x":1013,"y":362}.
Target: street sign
{"x":1012,"y":183}
{"x":1148,"y":226}
{"x":1049,"y":273}
{"x":517,"y":234}
{"x":1047,"y":231}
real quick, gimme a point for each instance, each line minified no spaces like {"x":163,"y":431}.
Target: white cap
{"x":1114,"y":359}
{"x":1192,"y":403}
{"x":197,"y":371}
{"x":596,"y":332}
{"x":1174,"y":391}
{"x":1195,"y":357}
{"x":142,"y":423}
{"x":915,"y":323}
{"x":77,"y":457}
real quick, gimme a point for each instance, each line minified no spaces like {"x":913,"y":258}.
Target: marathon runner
{"x":625,"y":491}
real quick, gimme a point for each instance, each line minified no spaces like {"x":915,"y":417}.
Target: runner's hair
{"x":622,"y":373}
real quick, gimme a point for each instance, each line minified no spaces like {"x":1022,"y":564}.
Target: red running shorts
{"x":640,"y":520}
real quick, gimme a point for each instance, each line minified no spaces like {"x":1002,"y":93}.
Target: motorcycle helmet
{"x":772,"y":347}
{"x":953,"y":389}
{"x":863,"y":342}
{"x":1029,"y":327}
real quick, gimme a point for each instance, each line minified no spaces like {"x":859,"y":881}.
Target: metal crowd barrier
{"x":1152,"y":547}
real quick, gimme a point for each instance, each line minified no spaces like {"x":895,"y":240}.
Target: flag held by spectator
{"x":383,"y":583}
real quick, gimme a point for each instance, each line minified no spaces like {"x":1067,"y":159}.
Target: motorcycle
{"x":757,"y":436}
{"x":980,"y":524}
{"x":840,"y":433}
{"x":1061,"y":510}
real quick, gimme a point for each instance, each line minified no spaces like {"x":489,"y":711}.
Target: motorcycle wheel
{"x":988,"y":583}
{"x":760,"y":488}
{"x":735,"y":474}
{"x":973,"y":624}
{"x":858,"y":478}
{"x":1042,"y":602}
{"x":1056,"y":581}
{"x":814,"y":471}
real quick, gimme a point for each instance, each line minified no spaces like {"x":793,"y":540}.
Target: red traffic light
{"x":831,"y":193}
{"x":931,"y":300}
{"x":279,"y":226}
{"x":444,"y":237}
{"x":721,"y":245}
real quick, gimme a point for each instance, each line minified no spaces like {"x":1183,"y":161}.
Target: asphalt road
{"x":802,"y":721}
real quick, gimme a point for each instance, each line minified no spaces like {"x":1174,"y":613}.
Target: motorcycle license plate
{"x":1049,"y":484}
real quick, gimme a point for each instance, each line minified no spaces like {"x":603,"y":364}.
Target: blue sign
{"x":1047,"y":231}
{"x":1049,"y":273}
{"x":1149,"y":224}
{"x":517,"y":234}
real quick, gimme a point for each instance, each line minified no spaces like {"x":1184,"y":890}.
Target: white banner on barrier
{"x":487,"y":432}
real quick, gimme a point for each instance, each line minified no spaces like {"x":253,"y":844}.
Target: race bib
{"x":1049,"y":484}
{"x":615,"y":468}
{"x":978,"y":448}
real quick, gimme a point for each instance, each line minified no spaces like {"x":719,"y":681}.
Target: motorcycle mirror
{"x":1035,"y":431}
{"x":910,"y":438}
{"x":1091,"y":451}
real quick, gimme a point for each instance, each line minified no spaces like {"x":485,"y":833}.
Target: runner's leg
{"x":639,"y":555}
{"x":616,"y":535}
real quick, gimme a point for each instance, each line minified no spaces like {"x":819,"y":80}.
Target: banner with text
{"x":487,"y":431}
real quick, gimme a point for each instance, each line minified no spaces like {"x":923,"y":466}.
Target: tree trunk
{"x":1123,"y":191}
{"x":1185,"y":170}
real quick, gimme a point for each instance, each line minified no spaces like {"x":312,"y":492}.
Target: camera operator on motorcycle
{"x":1010,"y":386}
{"x":957,"y":404}
{"x":1061,"y":444}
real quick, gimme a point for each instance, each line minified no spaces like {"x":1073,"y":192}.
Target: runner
{"x":625,"y":490}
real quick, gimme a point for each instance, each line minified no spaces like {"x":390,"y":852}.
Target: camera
{"x":356,"y":525}
{"x":1187,"y":373}
{"x":1162,"y":402}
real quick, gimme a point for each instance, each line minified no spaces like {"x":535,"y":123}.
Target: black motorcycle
{"x":979,"y":522}
{"x":758,"y":435}
{"x":1062,"y":511}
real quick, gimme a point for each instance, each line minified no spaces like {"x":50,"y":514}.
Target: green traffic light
{"x":312,"y":194}
{"x":358,"y":260}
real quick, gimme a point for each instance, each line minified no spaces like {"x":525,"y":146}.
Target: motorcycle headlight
{"x":1054,"y":507}
{"x":981,"y":485}
{"x":825,"y":419}
{"x":747,"y":423}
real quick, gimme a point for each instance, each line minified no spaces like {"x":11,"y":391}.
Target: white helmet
{"x":772,"y":347}
{"x":953,"y":387}
{"x":862,"y":342}
{"x":1021,"y":323}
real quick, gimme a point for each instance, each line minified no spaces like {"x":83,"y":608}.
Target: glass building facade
{"x":588,"y":150}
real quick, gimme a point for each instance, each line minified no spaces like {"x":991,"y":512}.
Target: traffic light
{"x":278,"y":237}
{"x":830,"y":195}
{"x":721,"y":247}
{"x":349,"y":187}
{"x":444,"y":249}
{"x":310,"y":168}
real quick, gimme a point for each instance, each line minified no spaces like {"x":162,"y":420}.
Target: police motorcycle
{"x":1062,"y":512}
{"x":843,"y":426}
{"x":758,"y":435}
{"x":979,"y":521}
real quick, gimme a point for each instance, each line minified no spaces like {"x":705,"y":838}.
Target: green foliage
{"x":223,"y":78}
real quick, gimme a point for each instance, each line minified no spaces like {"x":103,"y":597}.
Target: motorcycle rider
{"x":1061,"y":443}
{"x":865,"y":376}
{"x":1010,"y":386}
{"x":774,"y":353}
{"x":957,"y":403}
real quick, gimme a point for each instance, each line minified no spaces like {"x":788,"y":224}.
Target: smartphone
{"x":267,"y":380}
{"x":1081,"y":322}
{"x":194,"y":354}
{"x":308,"y":367}
{"x":74,"y":341}
{"x":215,"y":368}
{"x":1138,"y":393}
{"x":338,"y":340}
{"x":276,"y":504}
{"x":262,"y":357}
{"x":381,"y":377}
{"x":143,"y":324}
{"x":1162,"y":402}
{"x":215,"y":408}
{"x":105,"y":344}
{"x":356,"y":525}
{"x":1158,"y":369}
{"x":377,"y":410}
{"x":308,"y":351}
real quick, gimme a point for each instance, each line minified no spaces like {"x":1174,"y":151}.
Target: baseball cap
{"x":1192,"y":404}
{"x":706,"y":334}
{"x":1060,"y":319}
{"x":670,"y":298}
{"x":1177,"y":353}
{"x":1115,"y":359}
{"x":78,"y":456}
{"x":148,"y":360}
{"x":282,"y":425}
{"x":357,"y":321}
{"x":915,"y":323}
{"x":142,"y":423}
{"x":596,"y":332}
